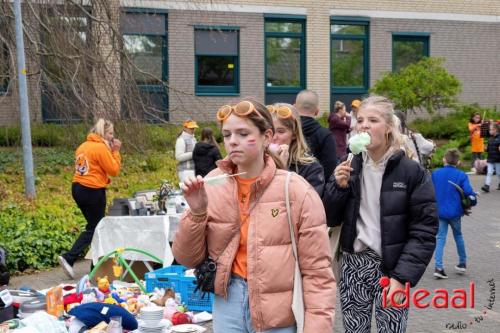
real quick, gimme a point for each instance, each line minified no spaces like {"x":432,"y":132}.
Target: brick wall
{"x":470,"y":48}
{"x":182,"y":99}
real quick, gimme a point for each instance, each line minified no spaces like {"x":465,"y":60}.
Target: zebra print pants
{"x":360,"y":290}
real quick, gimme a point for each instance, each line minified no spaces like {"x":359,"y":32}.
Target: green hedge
{"x":35,"y":239}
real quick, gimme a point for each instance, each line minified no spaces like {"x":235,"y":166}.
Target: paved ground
{"x":482,"y":236}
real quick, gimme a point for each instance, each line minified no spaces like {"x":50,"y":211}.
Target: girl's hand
{"x":394,"y":286}
{"x":116,"y":145}
{"x":283,"y":154}
{"x":195,"y":194}
{"x":342,"y":174}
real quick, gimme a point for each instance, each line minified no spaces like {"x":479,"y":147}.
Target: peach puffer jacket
{"x":270,"y":257}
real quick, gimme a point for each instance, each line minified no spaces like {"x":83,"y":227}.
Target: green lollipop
{"x":358,"y":143}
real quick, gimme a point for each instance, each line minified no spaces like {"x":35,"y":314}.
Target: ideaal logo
{"x":460,"y":299}
{"x":440,"y":299}
{"x":461,"y":325}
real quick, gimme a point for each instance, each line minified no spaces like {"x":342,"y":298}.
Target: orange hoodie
{"x":94,"y":161}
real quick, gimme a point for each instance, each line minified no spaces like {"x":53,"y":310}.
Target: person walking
{"x":206,"y":153}
{"x":385,"y":204}
{"x":95,"y":160}
{"x":477,"y":142}
{"x":493,"y":158}
{"x":450,"y":209}
{"x":290,"y":145}
{"x":415,"y":145}
{"x":242,"y":224}
{"x":340,"y":125}
{"x":353,"y":114}
{"x":319,"y":139}
{"x":184,"y":146}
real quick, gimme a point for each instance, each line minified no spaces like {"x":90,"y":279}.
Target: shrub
{"x":425,"y":85}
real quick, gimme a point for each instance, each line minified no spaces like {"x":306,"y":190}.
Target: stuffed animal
{"x":110,"y":300}
{"x":132,"y":305}
{"x":103,"y":285}
{"x":180,"y":318}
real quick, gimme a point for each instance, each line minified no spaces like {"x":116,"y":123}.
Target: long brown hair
{"x":207,"y":135}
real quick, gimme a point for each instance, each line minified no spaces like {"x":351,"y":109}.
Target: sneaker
{"x":440,"y":274}
{"x":66,"y":267}
{"x":486,"y":188}
{"x":461,"y":268}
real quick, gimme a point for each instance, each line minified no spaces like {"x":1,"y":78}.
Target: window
{"x":65,"y":70}
{"x":4,"y":67}
{"x":285,"y":55}
{"x":145,"y":46}
{"x":408,"y":48}
{"x":349,"y":55}
{"x":216,"y":60}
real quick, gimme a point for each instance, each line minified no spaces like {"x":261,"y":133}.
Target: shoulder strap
{"x":289,"y":214}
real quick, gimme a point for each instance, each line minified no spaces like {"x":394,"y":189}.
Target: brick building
{"x":214,"y":52}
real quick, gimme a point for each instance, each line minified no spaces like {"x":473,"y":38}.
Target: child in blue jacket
{"x":450,"y":209}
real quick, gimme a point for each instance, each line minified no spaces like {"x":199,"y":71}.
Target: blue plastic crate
{"x":173,"y":277}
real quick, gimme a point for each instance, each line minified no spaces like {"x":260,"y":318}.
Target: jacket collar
{"x":391,"y":162}
{"x":94,"y":137}
{"x":265,"y":178}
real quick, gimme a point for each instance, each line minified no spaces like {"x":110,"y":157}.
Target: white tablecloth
{"x":148,"y":233}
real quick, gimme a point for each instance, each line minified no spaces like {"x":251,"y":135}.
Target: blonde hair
{"x":298,"y":150}
{"x":101,"y":127}
{"x":386,"y":109}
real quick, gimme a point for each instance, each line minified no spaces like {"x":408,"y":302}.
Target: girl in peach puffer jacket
{"x":242,"y":224}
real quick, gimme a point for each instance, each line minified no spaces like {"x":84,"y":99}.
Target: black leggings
{"x":92,"y":203}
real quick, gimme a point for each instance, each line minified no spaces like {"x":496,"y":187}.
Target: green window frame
{"x":5,"y":60}
{"x":154,"y":92}
{"x":209,"y":54}
{"x":4,"y":67}
{"x":349,"y":32}
{"x":409,"y":38}
{"x":287,"y":28}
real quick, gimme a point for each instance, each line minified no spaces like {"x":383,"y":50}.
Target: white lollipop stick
{"x":220,"y":178}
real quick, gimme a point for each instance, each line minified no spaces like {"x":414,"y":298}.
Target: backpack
{"x":466,"y":201}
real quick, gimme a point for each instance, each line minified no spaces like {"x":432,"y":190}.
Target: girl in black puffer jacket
{"x":290,"y":145}
{"x":385,"y":204}
{"x":493,"y":159}
{"x":206,"y":153}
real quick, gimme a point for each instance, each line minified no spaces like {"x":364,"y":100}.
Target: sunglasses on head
{"x":243,"y":108}
{"x":283,"y":112}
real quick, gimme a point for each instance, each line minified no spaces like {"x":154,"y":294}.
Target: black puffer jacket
{"x":408,"y":215}
{"x":493,"y":153}
{"x":313,"y":173}
{"x":322,"y":144}
{"x":204,"y":156}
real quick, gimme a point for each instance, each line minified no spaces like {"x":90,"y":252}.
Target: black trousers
{"x":92,"y":203}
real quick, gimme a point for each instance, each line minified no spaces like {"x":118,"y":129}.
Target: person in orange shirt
{"x":477,"y":142}
{"x":95,"y":160}
{"x":242,"y":224}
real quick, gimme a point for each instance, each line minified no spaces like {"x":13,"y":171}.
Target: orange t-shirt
{"x":240,"y":261}
{"x":477,"y":142}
